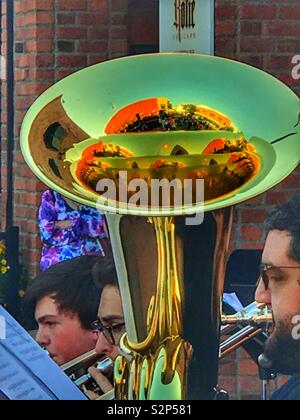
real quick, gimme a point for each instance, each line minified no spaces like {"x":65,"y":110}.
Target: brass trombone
{"x":255,"y":319}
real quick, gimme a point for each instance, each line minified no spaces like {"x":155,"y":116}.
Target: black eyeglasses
{"x":263,"y":271}
{"x":108,"y":331}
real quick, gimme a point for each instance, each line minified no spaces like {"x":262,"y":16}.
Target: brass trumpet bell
{"x":246,"y":325}
{"x":171,"y":274}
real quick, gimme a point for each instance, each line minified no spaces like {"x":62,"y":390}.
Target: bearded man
{"x":279,"y":287}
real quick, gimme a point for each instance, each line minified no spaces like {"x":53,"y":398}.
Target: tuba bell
{"x":77,"y":370}
{"x":165,"y":117}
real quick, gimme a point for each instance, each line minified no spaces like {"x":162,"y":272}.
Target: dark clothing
{"x":289,"y":391}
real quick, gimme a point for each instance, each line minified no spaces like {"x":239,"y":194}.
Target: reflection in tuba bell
{"x":140,"y":120}
{"x":249,"y":328}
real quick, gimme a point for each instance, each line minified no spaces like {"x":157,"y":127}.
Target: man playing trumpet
{"x":279,"y":287}
{"x":110,"y":323}
{"x":65,"y":300}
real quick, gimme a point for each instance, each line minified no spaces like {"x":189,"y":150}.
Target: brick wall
{"x":262,"y":33}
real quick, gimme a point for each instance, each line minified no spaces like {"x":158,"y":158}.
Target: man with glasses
{"x":110,"y":323}
{"x":279,"y":287}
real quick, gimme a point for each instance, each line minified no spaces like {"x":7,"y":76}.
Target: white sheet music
{"x":26,"y":371}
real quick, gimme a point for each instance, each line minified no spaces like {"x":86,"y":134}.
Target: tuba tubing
{"x":104,"y":365}
{"x":82,"y":362}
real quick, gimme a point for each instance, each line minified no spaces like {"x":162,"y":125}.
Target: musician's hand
{"x":102,"y":382}
{"x":106,"y":246}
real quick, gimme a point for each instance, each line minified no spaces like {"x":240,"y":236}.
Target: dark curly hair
{"x":104,"y":273}
{"x":72,"y":287}
{"x":287,"y":217}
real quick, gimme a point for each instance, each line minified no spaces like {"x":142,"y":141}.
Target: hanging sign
{"x":187,"y":26}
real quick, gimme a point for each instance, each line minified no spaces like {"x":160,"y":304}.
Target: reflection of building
{"x":214,"y":116}
{"x":52,"y":42}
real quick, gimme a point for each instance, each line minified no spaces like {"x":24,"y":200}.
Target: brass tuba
{"x":163,"y":117}
{"x":236,"y":330}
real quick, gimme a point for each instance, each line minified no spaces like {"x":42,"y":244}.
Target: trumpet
{"x":77,"y":370}
{"x":252,"y":323}
{"x":255,"y":314}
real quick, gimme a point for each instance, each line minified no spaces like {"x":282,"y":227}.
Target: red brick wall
{"x":55,"y":38}
{"x":143,"y":26}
